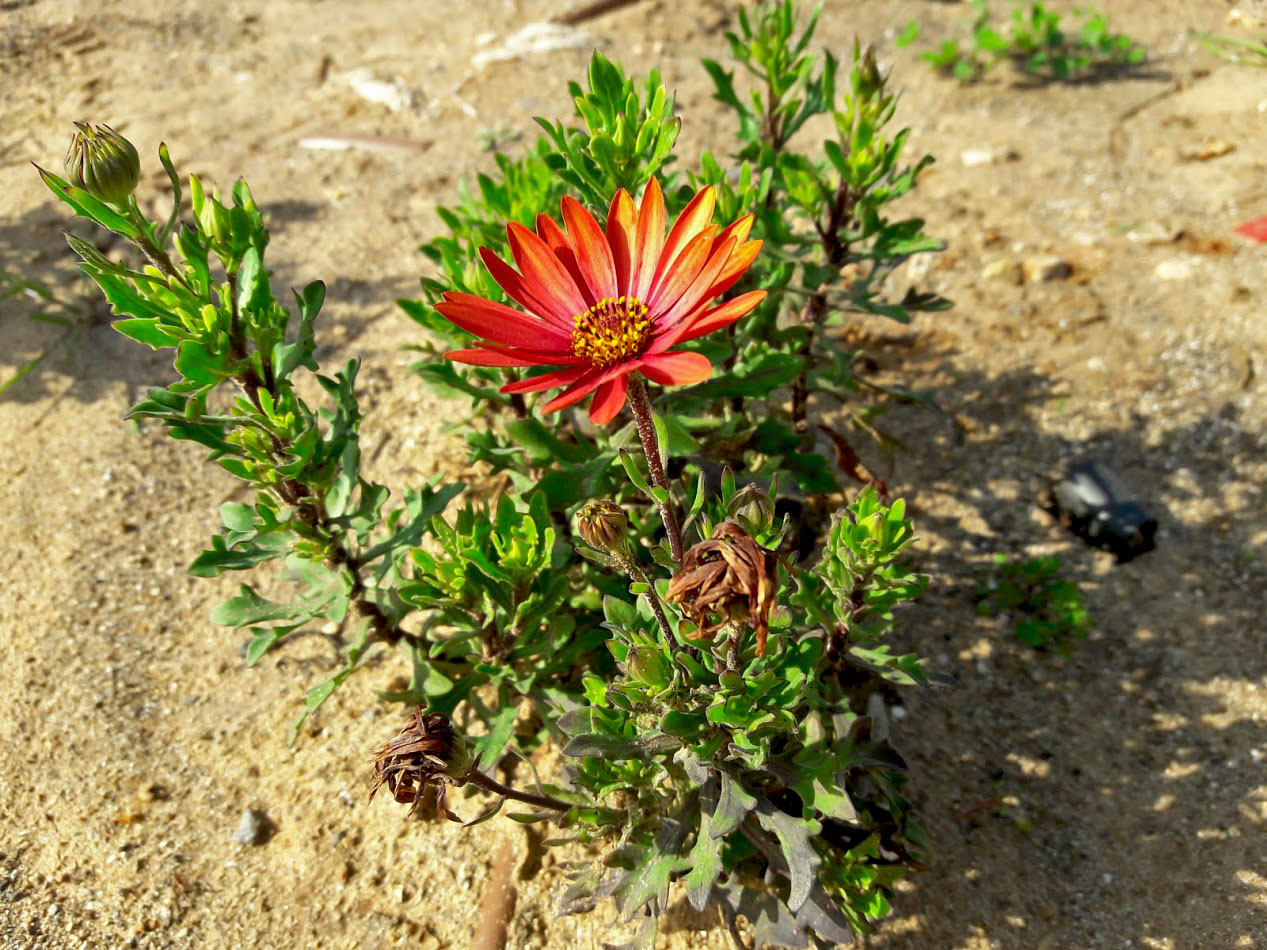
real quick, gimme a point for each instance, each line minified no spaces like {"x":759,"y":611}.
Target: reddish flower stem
{"x":651,"y":448}
{"x":476,"y":777}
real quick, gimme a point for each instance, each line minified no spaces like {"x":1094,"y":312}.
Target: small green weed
{"x":1033,"y":41}
{"x":1236,"y":50}
{"x":1048,"y":608}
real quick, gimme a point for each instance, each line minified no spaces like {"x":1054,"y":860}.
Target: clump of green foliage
{"x":1034,"y":41}
{"x":742,"y":770}
{"x":1047,"y":608}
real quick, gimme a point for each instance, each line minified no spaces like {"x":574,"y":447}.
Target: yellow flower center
{"x":612,"y":330}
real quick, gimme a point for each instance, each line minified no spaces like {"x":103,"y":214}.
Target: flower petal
{"x":500,"y":324}
{"x":693,"y":219}
{"x":622,"y":228}
{"x":593,"y":253}
{"x":677,"y":369}
{"x":525,"y":294}
{"x":609,"y":399}
{"x":542,"y":271}
{"x":588,"y":383}
{"x":489,"y":355}
{"x":649,"y":241}
{"x":709,"y":321}
{"x":546,"y":381}
{"x":674,"y":280}
{"x":739,"y":262}
{"x":699,"y":290}
{"x":558,"y":242}
{"x":739,"y":230}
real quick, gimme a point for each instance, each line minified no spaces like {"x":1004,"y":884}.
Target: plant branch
{"x":308,"y":507}
{"x":651,"y":448}
{"x":630,"y":567}
{"x":835,"y":254}
{"x":153,"y":253}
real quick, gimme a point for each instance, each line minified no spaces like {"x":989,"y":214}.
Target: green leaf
{"x":490,"y":746}
{"x":595,"y":745}
{"x":263,"y":639}
{"x":653,"y":866}
{"x":757,"y":379}
{"x":237,"y":516}
{"x":733,"y":805}
{"x":620,"y":614}
{"x":794,"y":836}
{"x":635,"y":475}
{"x":446,"y":379}
{"x":165,"y":159}
{"x":706,"y":864}
{"x":319,"y":694}
{"x":88,"y":206}
{"x":542,"y":445}
{"x":249,"y":277}
{"x":248,"y":607}
{"x":148,"y":332}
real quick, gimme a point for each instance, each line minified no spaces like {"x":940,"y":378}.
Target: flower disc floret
{"x":612,"y":330}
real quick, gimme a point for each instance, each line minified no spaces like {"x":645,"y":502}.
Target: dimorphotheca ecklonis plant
{"x":667,"y":585}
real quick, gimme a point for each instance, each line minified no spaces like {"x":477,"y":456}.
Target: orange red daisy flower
{"x":602,"y":304}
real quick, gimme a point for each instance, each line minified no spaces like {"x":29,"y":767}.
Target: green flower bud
{"x":103,"y":163}
{"x":211,"y":214}
{"x":752,"y":506}
{"x":602,"y":525}
{"x":647,"y":665}
{"x":868,"y":80}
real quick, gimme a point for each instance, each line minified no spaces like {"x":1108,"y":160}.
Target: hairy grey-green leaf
{"x":576,"y":721}
{"x":794,"y":836}
{"x":608,"y":747}
{"x":773,"y":925}
{"x":706,"y":865}
{"x":653,"y":866}
{"x":820,"y":915}
{"x":734,"y":804}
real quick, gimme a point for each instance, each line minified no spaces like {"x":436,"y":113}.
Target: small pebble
{"x":1040,"y":270}
{"x":254,"y":828}
{"x":1173,"y":269}
{"x":1152,"y":233}
{"x":1005,"y":270}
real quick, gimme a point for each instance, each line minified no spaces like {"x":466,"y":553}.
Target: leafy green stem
{"x":836,"y":254}
{"x":630,"y":567}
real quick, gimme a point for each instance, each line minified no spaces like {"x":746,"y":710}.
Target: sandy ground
{"x":1117,"y":798}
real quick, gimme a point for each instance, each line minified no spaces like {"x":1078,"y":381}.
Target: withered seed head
{"x":728,"y":577}
{"x":427,"y":750}
{"x":602,"y":525}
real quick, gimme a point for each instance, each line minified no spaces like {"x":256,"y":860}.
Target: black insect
{"x":1092,"y":504}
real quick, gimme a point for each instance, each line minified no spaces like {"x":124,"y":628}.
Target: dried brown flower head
{"x":427,"y":750}
{"x":602,"y":525}
{"x":728,"y":577}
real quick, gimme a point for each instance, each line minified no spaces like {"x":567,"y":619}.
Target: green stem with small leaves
{"x":630,"y":567}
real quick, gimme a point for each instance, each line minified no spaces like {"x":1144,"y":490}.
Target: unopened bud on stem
{"x":602,"y":525}
{"x":103,"y":163}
